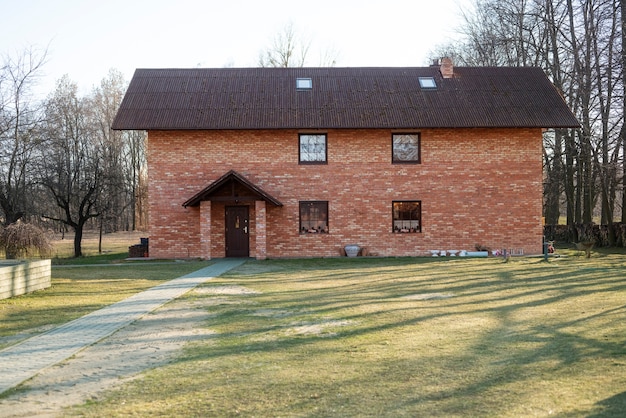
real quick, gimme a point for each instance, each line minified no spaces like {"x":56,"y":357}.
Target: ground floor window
{"x":314,"y":217}
{"x":407,"y":216}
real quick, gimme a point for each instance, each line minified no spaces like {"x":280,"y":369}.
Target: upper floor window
{"x":406,"y":148}
{"x":314,"y":217}
{"x":313,"y":148}
{"x":407,"y":216}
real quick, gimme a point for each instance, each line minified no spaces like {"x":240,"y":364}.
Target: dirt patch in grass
{"x":226,"y":290}
{"x":429,"y":296}
{"x":273,"y":313}
{"x":317,"y":328}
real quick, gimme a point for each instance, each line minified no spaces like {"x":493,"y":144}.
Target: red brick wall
{"x":477,"y":186}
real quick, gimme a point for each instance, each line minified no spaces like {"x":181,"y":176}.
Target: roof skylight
{"x":427,"y":82}
{"x":304,"y":83}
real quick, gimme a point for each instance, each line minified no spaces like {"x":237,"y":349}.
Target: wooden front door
{"x":237,"y":231}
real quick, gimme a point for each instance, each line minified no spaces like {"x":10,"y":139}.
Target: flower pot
{"x":352,"y":250}
{"x":477,"y":253}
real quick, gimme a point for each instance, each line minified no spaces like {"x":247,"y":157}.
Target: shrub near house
{"x":292,"y":162}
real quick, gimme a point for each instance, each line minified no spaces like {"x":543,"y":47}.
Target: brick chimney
{"x":446,"y":67}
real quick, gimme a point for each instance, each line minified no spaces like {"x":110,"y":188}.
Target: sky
{"x":85,"y":39}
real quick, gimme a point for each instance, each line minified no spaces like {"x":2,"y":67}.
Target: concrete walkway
{"x":24,"y":360}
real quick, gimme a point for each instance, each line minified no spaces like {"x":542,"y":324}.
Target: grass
{"x":82,"y":285}
{"x":107,"y":258}
{"x":398,"y":338}
{"x":76,"y":291}
{"x":114,"y":247}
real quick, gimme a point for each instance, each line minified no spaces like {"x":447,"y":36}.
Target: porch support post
{"x":205,"y":229}
{"x":261,"y":229}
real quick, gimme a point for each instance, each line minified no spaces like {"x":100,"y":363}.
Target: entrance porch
{"x":233,"y":216}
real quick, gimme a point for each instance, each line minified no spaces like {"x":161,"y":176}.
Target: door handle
{"x":245,"y":229}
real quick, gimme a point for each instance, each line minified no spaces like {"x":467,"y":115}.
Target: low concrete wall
{"x":19,"y":277}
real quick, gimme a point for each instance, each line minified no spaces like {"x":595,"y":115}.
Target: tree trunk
{"x":100,"y":237}
{"x":623,"y":130}
{"x":570,"y":188}
{"x":623,"y":135}
{"x":554,"y":178}
{"x":78,"y":239}
{"x":587,"y":180}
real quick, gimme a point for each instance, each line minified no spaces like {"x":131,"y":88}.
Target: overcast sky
{"x":86,"y":38}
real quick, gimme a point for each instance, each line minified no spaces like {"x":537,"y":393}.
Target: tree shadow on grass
{"x":530,"y":339}
{"x":615,"y":406}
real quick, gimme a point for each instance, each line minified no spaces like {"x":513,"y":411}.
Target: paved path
{"x":25,"y":359}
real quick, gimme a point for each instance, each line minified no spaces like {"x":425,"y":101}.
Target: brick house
{"x":299,"y":162}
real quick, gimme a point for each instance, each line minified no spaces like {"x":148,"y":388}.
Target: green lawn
{"x":77,"y":291}
{"x":399,"y":337}
{"x":85,"y":284}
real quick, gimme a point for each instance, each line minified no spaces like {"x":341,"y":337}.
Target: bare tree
{"x":605,"y":68}
{"x":72,"y":168}
{"x":60,"y":158}
{"x":136,"y":176}
{"x":20,"y":118}
{"x":579,"y":44}
{"x":291,"y":49}
{"x":623,"y":130}
{"x":288,"y":49}
{"x":124,"y":156}
{"x":103,"y":104}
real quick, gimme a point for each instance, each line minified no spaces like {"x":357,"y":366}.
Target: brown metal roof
{"x":267,"y":98}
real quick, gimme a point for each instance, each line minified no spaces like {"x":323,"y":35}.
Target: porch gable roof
{"x":218,"y":191}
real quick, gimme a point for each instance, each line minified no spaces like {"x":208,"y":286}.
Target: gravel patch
{"x":429,"y":296}
{"x":225,"y":290}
